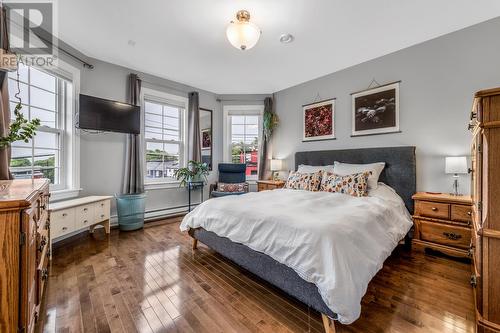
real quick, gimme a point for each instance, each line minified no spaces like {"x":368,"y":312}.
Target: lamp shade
{"x":243,"y":34}
{"x":456,"y":164}
{"x":276,"y":165}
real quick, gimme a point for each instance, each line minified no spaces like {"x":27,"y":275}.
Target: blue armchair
{"x":229,"y":173}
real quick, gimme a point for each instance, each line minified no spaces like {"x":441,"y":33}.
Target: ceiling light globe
{"x":243,"y":34}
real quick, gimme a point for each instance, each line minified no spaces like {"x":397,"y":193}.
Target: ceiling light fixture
{"x":243,"y":34}
{"x":286,"y":38}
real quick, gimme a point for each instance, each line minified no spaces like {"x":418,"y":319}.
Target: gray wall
{"x":102,"y":155}
{"x":439,"y":78}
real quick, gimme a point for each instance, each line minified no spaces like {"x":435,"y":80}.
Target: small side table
{"x":193,"y":186}
{"x":263,"y":185}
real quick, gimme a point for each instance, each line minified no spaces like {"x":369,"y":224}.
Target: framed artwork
{"x":318,"y":120}
{"x":376,"y":110}
{"x":206,"y":138}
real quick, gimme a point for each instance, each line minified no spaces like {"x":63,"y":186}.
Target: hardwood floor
{"x":151,"y":281}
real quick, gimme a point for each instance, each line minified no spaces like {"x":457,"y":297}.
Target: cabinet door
{"x":29,"y":271}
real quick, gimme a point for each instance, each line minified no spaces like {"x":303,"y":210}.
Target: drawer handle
{"x":102,"y":215}
{"x":434,"y":209}
{"x":85,"y":209}
{"x":45,"y":274}
{"x":64,"y":214}
{"x":64,"y":228}
{"x":43,"y":241}
{"x":469,"y":213}
{"x":85,"y":221}
{"x":102,"y":205}
{"x":452,"y":236}
{"x":473,"y":280}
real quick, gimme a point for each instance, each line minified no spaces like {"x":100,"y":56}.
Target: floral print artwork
{"x":318,"y":121}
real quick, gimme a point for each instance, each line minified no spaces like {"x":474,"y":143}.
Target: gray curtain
{"x":265,"y":142}
{"x":4,"y":126}
{"x":194,"y":146}
{"x":134,"y":176}
{"x":4,"y":103}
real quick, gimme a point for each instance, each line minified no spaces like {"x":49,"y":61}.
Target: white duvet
{"x":335,"y":241}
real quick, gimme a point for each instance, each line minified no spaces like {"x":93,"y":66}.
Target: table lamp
{"x":456,"y":165}
{"x":275,"y":167}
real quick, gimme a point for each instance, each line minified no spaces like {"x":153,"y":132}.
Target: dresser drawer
{"x":432,"y":209}
{"x":62,"y":222}
{"x":445,"y":234}
{"x":84,"y":216}
{"x":102,"y":210}
{"x":461,"y":213}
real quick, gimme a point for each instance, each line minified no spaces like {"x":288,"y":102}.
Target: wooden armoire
{"x":485,"y":190}
{"x":24,"y":252}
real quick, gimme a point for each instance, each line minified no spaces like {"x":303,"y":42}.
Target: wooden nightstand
{"x":263,"y":185}
{"x":443,"y":223}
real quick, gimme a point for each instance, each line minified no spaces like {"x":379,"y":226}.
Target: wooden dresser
{"x":24,"y":252}
{"x":264,"y":185}
{"x":443,"y":222}
{"x":485,"y":189}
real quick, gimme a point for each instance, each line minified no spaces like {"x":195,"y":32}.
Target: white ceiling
{"x":184,"y":40}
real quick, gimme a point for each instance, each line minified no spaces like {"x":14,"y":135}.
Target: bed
{"x":320,"y":285}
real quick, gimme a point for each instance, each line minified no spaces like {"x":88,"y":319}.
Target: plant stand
{"x":193,"y":185}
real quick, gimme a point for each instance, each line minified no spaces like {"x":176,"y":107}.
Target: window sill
{"x":64,"y":194}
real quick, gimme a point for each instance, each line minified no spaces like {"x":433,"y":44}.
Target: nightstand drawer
{"x":432,"y":209}
{"x":262,"y":187}
{"x":461,"y":213}
{"x":445,"y":234}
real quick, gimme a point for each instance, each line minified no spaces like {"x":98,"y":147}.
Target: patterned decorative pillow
{"x":304,"y":181}
{"x":355,"y":184}
{"x":232,"y":187}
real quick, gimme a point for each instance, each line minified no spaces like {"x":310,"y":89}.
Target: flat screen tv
{"x":106,"y":115}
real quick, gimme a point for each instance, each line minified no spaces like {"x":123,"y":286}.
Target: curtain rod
{"x":165,"y":86}
{"x":239,"y":100}
{"x":46,"y":40}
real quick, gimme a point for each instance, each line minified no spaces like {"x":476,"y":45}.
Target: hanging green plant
{"x":20,"y":129}
{"x":270,"y":122}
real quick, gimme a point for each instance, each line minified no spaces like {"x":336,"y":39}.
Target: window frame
{"x":69,"y":143}
{"x":241,"y":110}
{"x":180,"y":102}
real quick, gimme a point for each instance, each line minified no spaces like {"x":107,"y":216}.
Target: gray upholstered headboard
{"x":399,"y":172}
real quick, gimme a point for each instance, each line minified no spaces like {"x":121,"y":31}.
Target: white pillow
{"x":303,"y":168}
{"x":344,"y":169}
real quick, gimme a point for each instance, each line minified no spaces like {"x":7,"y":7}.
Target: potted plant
{"x":194,"y":172}
{"x":20,"y":129}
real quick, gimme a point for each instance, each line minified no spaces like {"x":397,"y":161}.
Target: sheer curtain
{"x":134,"y":176}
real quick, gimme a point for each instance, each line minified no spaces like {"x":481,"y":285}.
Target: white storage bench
{"x":79,"y":214}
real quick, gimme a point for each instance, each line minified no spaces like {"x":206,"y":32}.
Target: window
{"x":42,"y":97}
{"x":48,"y":96}
{"x":164,"y":137}
{"x":243,"y":129}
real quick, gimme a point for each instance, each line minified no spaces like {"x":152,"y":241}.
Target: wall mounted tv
{"x":106,"y":115}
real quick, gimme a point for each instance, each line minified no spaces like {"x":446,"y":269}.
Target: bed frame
{"x":399,"y":173}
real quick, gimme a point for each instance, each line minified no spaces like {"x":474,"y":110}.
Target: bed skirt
{"x":266,"y":268}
